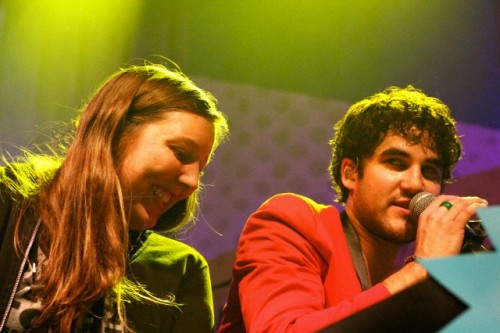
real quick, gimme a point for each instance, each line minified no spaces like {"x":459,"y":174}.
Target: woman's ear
{"x":348,"y":172}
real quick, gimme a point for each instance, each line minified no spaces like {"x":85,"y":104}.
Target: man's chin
{"x":409,"y":235}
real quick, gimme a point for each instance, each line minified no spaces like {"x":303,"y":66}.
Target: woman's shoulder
{"x":169,"y":250}
{"x":7,"y":192}
{"x":27,"y":176}
{"x":160,"y":240}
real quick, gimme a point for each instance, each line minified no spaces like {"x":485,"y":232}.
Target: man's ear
{"x":348,"y":172}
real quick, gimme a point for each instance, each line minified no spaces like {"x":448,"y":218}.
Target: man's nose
{"x":413,"y":180}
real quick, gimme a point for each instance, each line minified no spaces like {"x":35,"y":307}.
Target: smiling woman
{"x":78,"y":221}
{"x":161,"y":165}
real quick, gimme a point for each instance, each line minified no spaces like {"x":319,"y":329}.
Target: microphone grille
{"x":419,"y":203}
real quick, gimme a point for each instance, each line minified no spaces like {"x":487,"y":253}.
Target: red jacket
{"x":293,"y":271}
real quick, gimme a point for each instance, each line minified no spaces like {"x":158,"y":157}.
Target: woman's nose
{"x":190,"y":176}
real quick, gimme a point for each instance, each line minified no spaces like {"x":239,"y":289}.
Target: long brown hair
{"x":84,"y":225}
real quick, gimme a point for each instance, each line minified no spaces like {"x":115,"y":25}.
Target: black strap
{"x":355,"y":251}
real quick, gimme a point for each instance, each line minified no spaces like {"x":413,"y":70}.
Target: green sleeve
{"x":168,"y":267}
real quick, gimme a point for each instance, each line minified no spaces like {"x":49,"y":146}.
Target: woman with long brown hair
{"x":78,"y":251}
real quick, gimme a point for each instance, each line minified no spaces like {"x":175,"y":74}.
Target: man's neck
{"x":382,"y":257}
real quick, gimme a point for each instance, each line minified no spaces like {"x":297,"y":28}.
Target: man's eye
{"x":432,"y":173}
{"x":395,"y":162}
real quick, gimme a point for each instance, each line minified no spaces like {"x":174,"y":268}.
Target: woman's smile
{"x":161,"y":194}
{"x":162,"y":165}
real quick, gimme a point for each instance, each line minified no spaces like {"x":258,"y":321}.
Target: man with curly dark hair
{"x":302,"y":266}
{"x":409,"y":113}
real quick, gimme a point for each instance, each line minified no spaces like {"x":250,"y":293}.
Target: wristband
{"x":410,"y":259}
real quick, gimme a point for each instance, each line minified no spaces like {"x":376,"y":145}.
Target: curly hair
{"x":407,"y":112}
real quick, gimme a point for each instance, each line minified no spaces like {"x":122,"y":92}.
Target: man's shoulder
{"x":296,"y":203}
{"x":298,"y":212}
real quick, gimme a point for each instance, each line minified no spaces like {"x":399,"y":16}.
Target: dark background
{"x":283,"y":71}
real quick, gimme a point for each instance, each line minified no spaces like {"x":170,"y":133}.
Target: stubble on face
{"x":380,"y":196}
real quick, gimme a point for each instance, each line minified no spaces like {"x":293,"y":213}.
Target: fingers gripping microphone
{"x":474,"y":232}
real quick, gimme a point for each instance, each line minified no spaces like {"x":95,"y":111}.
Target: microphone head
{"x":419,"y":203}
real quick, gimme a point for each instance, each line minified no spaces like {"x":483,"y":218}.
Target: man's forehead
{"x":395,"y":142}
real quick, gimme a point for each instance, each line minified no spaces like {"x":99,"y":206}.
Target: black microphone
{"x":474,"y":231}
